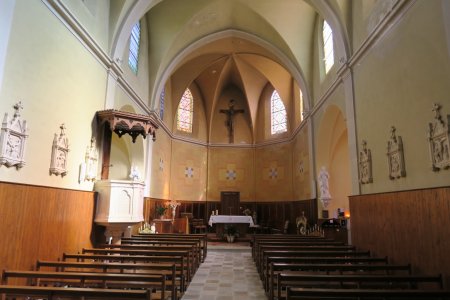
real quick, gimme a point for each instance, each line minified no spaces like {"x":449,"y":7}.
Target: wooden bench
{"x":177,"y":261}
{"x":53,"y":293}
{"x":195,"y":252}
{"x":203,"y":238}
{"x":187,"y":255}
{"x":353,"y":281}
{"x":168,"y":241}
{"x":265,"y":276}
{"x":262,"y":263}
{"x":292,"y":242}
{"x":311,"y":293}
{"x":93,"y":280}
{"x":386,"y":269}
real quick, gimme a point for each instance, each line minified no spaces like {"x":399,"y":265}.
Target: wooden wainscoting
{"x":408,"y":226}
{"x":41,"y":223}
{"x":273,"y":214}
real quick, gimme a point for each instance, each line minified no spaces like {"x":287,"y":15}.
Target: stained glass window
{"x":134,"y":47}
{"x":328,"y":53}
{"x":161,"y":103}
{"x":278,"y":113}
{"x":301,"y":106}
{"x":185,"y":112}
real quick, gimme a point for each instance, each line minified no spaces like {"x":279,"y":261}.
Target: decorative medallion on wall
{"x":12,"y":139}
{"x":161,"y":164}
{"x":231,"y":174}
{"x":273,"y":173}
{"x":438,"y":137}
{"x":395,"y":156}
{"x":189,"y":172}
{"x":365,"y":164}
{"x":60,"y":150}
{"x":88,"y":170}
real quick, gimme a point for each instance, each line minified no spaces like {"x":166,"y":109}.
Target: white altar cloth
{"x":230,"y":219}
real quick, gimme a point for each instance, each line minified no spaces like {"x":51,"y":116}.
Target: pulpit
{"x":120,"y":204}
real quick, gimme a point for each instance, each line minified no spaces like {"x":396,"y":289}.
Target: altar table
{"x":240,"y":222}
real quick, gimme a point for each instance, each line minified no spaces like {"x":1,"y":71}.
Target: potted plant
{"x":230,"y":233}
{"x":160,"y":210}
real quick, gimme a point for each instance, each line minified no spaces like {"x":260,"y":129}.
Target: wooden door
{"x":229,"y":203}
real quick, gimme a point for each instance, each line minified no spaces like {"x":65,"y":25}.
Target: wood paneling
{"x":41,"y":223}
{"x":408,"y":226}
{"x":273,"y":214}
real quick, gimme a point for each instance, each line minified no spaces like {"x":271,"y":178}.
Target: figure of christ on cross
{"x":230,"y":115}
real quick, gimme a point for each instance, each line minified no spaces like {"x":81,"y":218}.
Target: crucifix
{"x":230,"y":115}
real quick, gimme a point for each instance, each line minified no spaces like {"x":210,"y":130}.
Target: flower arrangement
{"x":160,"y":210}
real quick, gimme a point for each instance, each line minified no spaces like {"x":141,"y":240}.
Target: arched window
{"x":278,"y":114}
{"x":328,"y":52}
{"x":185,"y":112}
{"x":134,"y":47}
{"x":161,"y":103}
{"x":302,"y":110}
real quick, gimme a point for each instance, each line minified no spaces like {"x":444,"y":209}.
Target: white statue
{"x":323,"y":183}
{"x":134,"y":173}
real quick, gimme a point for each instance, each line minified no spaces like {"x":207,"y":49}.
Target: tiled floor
{"x":228,"y":273}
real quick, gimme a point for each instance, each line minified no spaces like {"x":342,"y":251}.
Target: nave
{"x":228,"y":273}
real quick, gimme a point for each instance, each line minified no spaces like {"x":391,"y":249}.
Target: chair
{"x":198,"y":226}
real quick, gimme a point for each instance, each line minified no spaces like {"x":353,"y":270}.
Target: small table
{"x":240,"y":221}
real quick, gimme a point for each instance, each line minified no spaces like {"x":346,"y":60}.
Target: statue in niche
{"x":60,"y":150}
{"x":231,"y":112}
{"x":365,"y":164}
{"x":438,"y":137}
{"x":134,"y":173}
{"x":325,"y":196}
{"x":395,"y":156}
{"x":12,"y":139}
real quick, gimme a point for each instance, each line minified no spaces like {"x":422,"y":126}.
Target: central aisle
{"x":226,"y":274}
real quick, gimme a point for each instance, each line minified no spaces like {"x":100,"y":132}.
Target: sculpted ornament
{"x":12,"y":139}
{"x":365,"y":164}
{"x":395,"y":156}
{"x":438,"y":137}
{"x":60,"y":149}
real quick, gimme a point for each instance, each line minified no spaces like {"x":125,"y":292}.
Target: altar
{"x":241,"y":222}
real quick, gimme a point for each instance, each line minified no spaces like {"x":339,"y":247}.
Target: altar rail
{"x":408,"y":226}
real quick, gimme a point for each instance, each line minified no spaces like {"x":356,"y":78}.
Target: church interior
{"x":119,"y":114}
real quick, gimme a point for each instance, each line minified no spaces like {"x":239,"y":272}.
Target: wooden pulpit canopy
{"x":122,"y":122}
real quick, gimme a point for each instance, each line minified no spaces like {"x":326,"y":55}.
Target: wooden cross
{"x":230,"y":115}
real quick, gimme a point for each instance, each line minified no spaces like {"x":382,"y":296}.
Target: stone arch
{"x":332,"y":152}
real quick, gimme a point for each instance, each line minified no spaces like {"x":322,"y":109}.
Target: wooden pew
{"x":93,"y":280}
{"x":111,"y":267}
{"x":265,"y":276}
{"x":195,"y":255}
{"x":187,"y":255}
{"x":167,"y":241}
{"x":202,"y":236}
{"x":290,"y":247}
{"x":51,"y":293}
{"x":386,"y":269}
{"x":262,"y":263}
{"x":177,"y":261}
{"x":292,"y":242}
{"x":355,"y":281}
{"x":311,"y":293}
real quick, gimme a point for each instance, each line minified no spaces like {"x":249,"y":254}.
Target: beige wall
{"x":301,"y":168}
{"x":407,"y":84}
{"x":161,"y":157}
{"x":53,"y":90}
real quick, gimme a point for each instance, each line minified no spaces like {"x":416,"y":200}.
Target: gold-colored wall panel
{"x":42,"y":223}
{"x":188,"y":175}
{"x":273,"y":173}
{"x":231,"y":169}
